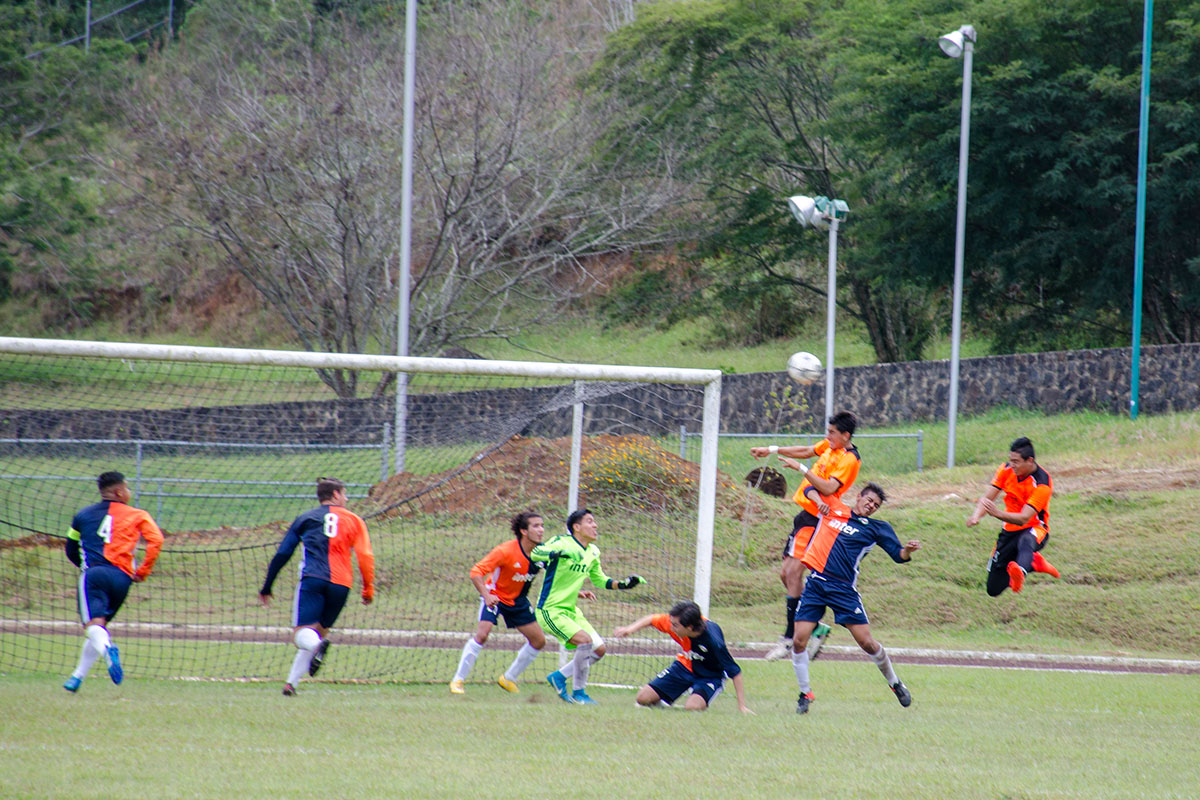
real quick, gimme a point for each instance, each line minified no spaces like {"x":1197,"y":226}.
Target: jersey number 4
{"x":105,"y":530}
{"x":331,"y":523}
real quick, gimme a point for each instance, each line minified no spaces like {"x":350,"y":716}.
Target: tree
{"x":276,"y":135}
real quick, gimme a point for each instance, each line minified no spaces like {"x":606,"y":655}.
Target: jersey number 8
{"x":331,"y":523}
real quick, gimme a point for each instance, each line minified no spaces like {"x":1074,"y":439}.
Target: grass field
{"x":970,"y":733}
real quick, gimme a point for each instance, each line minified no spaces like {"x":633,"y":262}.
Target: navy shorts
{"x":677,"y":679}
{"x":518,"y":614}
{"x":821,"y":593}
{"x":318,"y":601}
{"x":102,"y":591}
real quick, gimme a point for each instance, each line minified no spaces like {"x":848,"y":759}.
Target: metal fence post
{"x":137,"y":484}
{"x":683,"y":442}
{"x":87,"y":28}
{"x":920,"y":450}
{"x":384,"y":447}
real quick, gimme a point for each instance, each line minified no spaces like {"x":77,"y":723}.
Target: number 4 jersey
{"x":108,"y":533}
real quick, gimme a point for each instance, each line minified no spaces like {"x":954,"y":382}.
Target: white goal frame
{"x":710,"y":379}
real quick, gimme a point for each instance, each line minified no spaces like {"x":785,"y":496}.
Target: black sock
{"x":790,"y":630}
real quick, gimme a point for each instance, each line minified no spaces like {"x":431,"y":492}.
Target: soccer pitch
{"x":970,"y":733}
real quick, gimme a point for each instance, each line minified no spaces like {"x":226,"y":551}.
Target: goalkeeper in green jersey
{"x":570,"y":558}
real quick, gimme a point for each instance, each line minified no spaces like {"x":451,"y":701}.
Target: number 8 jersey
{"x":328,"y":534}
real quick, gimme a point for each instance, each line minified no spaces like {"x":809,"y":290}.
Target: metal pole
{"x":920,"y":450}
{"x":830,"y":314}
{"x":576,"y":448}
{"x":406,"y":182}
{"x":87,"y":28}
{"x":960,"y":233}
{"x":170,"y":18}
{"x":1140,"y":225}
{"x":384,"y":451}
{"x":137,"y":482}
{"x":683,"y":441}
{"x":711,"y":426}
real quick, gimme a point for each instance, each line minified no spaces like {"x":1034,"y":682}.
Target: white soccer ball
{"x":804,"y":368}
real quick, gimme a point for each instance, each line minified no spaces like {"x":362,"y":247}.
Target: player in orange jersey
{"x":101,"y":542}
{"x":1026,"y":516}
{"x":832,"y":475}
{"x":503,"y":578}
{"x":329,"y":533}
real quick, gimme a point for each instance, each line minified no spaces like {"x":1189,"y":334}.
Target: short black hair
{"x":521,"y":522}
{"x":877,"y":489}
{"x":844,"y":421}
{"x":688,"y":614}
{"x":574,"y":517}
{"x":1022,"y":447}
{"x":108,"y":479}
{"x":326,"y":487}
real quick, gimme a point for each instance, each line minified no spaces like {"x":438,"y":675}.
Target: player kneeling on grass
{"x":841,"y":540}
{"x":101,"y":543}
{"x":329,"y":533}
{"x":702,"y":666}
{"x":503,"y":578}
{"x":570,"y":558}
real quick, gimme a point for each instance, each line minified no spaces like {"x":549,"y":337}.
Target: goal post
{"x":488,"y":438}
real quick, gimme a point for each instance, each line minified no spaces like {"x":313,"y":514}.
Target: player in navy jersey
{"x":839,"y":544}
{"x":329,"y":533}
{"x":702,"y":666}
{"x":101,"y":542}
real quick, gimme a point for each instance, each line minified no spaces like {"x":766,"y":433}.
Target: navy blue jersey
{"x":843,"y":539}
{"x":705,"y":656}
{"x":329,"y":534}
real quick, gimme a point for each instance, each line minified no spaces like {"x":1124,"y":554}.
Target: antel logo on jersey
{"x":843,"y":527}
{"x":523,"y":577}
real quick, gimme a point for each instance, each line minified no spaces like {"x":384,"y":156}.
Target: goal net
{"x":222,"y":447}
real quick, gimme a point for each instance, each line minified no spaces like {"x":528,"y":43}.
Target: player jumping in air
{"x":503,"y":578}
{"x":101,"y":542}
{"x":569,"y":558}
{"x":842,"y":539}
{"x":702,"y":666}
{"x":832,"y":475}
{"x":1026,"y":516}
{"x":329,"y":533}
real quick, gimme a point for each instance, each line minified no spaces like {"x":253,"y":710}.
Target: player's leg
{"x":562,"y":626}
{"x":998,"y":578}
{"x":473,"y":647}
{"x":535,"y":640}
{"x":861,"y":631}
{"x":102,"y":591}
{"x":808,"y":614}
{"x":335,"y":600}
{"x":589,"y":648}
{"x":666,"y":687}
{"x":704,"y":691}
{"x":1040,"y":564}
{"x":308,"y":609}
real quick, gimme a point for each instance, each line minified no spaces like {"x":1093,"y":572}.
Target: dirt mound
{"x":533,"y":472}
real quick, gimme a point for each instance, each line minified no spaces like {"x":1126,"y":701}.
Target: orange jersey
{"x":507,"y":571}
{"x":328,"y":534}
{"x":841,"y":464}
{"x":705,"y":655}
{"x":1033,"y":490}
{"x":108,"y":533}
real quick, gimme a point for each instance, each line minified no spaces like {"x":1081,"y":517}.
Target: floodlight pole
{"x":404,"y":278}
{"x":1139,"y":244}
{"x":968,"y":47}
{"x":830,"y":319}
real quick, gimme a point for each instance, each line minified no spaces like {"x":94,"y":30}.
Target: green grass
{"x":971,"y":733}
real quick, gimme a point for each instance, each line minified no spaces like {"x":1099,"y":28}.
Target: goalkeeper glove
{"x":630,"y":582}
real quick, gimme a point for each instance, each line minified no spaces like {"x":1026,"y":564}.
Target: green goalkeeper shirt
{"x":568,"y":562}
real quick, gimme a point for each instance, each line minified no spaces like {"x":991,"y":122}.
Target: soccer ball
{"x":804,"y":368}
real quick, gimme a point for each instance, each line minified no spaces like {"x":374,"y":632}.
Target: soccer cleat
{"x":817,"y":640}
{"x":803,"y":702}
{"x":114,"y":664}
{"x":559,"y":683}
{"x":289,"y":690}
{"x":1016,"y":577}
{"x":1040,"y":564}
{"x":581,"y":697}
{"x":318,"y":657}
{"x":781,"y":650}
{"x":72,"y":684}
{"x":457,"y":686}
{"x":508,"y":685}
{"x":902,"y":694}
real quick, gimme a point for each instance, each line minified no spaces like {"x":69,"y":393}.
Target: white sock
{"x":583,"y":665}
{"x":307,"y":640}
{"x":880,"y":657}
{"x":470,"y":652}
{"x":524,"y":658}
{"x":94,"y":646}
{"x":800,"y":666}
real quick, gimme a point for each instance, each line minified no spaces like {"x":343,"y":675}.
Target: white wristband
{"x":773,"y":449}
{"x":804,"y":469}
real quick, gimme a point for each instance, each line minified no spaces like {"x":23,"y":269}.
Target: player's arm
{"x":634,"y":627}
{"x":486,"y":566}
{"x":547,"y":550}
{"x":1021,"y":517}
{"x":73,"y":548}
{"x":981,"y":507}
{"x":784,"y":451}
{"x":282,"y":555}
{"x":366,"y":564}
{"x":154,"y":541}
{"x":739,"y":689}
{"x":886,"y":536}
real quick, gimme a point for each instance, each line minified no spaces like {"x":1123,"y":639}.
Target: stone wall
{"x":879,"y":394}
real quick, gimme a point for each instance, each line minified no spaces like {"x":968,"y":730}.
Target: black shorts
{"x":802,"y":530}
{"x":516,"y":615}
{"x":102,"y":592}
{"x":318,"y":602}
